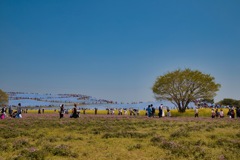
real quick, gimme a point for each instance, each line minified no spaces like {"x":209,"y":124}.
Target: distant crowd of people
{"x":231,"y":113}
{"x":123,"y":111}
{"x":74,"y":114}
{"x":11,"y":113}
{"x":150,"y":111}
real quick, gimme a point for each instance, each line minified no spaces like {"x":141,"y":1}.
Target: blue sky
{"x":116,"y":49}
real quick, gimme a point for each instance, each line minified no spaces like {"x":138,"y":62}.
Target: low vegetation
{"x":45,"y":136}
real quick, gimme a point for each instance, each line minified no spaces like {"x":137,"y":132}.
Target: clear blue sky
{"x":116,"y":49}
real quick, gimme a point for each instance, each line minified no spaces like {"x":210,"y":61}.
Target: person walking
{"x":95,"y":111}
{"x":238,"y":113}
{"x":160,"y":111}
{"x":3,"y":113}
{"x":163,"y":113}
{"x":229,"y":113}
{"x":232,"y":114}
{"x":213,"y":113}
{"x":61,"y":112}
{"x":217,"y":113}
{"x":19,"y":111}
{"x":10,"y":111}
{"x":168,"y":112}
{"x":221,"y":113}
{"x":149,"y":111}
{"x":74,"y":112}
{"x":153,"y":111}
{"x":196,"y":112}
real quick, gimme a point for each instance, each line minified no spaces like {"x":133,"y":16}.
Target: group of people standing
{"x":74,"y":114}
{"x":216,"y":113}
{"x":11,"y":113}
{"x":231,"y":113}
{"x":132,"y":112}
{"x":150,"y":111}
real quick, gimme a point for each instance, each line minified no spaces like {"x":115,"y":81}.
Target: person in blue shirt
{"x":149,"y":111}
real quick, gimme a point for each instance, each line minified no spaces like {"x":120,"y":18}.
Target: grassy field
{"x":45,"y":136}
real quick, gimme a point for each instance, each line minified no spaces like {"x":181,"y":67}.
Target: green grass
{"x":203,"y":112}
{"x":46,"y":136}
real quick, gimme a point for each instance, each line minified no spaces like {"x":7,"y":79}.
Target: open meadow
{"x":104,"y":137}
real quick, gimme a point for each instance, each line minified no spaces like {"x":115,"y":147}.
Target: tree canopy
{"x":184,"y":86}
{"x":3,"y":98}
{"x":229,"y":101}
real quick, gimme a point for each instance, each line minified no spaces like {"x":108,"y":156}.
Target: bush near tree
{"x":3,"y":98}
{"x":229,"y":101}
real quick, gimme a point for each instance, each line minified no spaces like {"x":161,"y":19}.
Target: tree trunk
{"x":181,"y":109}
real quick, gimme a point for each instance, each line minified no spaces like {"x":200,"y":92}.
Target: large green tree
{"x":229,"y":101}
{"x":3,"y":98}
{"x":184,"y":86}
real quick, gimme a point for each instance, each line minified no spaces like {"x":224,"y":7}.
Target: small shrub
{"x":33,"y":154}
{"x":137,"y":146}
{"x":170,"y":145}
{"x":222,"y":157}
{"x":107,"y":135}
{"x":210,"y":128}
{"x":194,"y":128}
{"x":165,"y":129}
{"x":52,"y":139}
{"x":41,"y":135}
{"x":198,"y":152}
{"x":175,"y":148}
{"x":79,"y":138}
{"x":179,"y":133}
{"x":95,"y":131}
{"x":228,"y":143}
{"x":238,"y":134}
{"x":129,"y":128}
{"x":157,"y":139}
{"x":200,"y":143}
{"x":4,"y":146}
{"x":9,"y":132}
{"x":18,"y":157}
{"x":68,"y":138}
{"x":213,"y":136}
{"x":21,"y":143}
{"x":236,"y":144}
{"x":84,"y":154}
{"x":126,"y":135}
{"x":62,"y":150}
